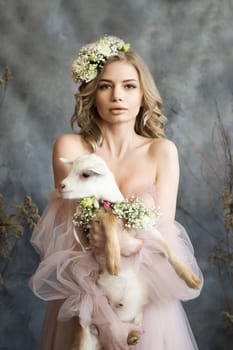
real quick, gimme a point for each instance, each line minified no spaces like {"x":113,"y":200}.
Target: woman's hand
{"x":129,"y":245}
{"x":97,"y":238}
{"x":114,"y":336}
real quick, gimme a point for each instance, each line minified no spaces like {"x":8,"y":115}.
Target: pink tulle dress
{"x":67,"y":279}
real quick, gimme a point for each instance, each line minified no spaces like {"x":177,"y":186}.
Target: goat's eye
{"x":86,"y":175}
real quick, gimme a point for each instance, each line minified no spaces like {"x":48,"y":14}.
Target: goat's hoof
{"x":113,"y":266}
{"x":113,"y":270}
{"x":194,"y":282}
{"x":189,"y":277}
{"x":133,"y":338}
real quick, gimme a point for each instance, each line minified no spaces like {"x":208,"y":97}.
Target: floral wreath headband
{"x":92,"y":57}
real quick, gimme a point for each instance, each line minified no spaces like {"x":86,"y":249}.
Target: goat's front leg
{"x":182,"y":270}
{"x":112,"y":245}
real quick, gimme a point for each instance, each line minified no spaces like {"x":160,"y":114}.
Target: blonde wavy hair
{"x":149,"y":122}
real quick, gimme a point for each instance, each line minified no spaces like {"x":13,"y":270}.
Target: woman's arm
{"x":68,"y":146}
{"x":167,"y":177}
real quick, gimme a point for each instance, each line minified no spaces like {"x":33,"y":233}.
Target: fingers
{"x":96,"y":226}
{"x":96,"y":237}
{"x":96,"y":240}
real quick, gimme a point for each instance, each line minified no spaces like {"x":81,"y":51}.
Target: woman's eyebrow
{"x":124,"y":81}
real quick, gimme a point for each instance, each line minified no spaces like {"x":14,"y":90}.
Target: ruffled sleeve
{"x":64,"y":272}
{"x":161,"y":279}
{"x":54,"y":230}
{"x":68,"y":274}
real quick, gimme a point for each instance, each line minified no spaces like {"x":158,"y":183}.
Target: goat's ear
{"x":99,"y":168}
{"x":66,"y":161}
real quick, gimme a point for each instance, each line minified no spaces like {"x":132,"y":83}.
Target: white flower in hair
{"x":92,"y":57}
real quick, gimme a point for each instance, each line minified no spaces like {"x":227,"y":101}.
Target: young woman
{"x":118,"y":110}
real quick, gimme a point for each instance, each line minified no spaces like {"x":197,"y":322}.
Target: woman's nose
{"x":116,"y":99}
{"x":116,"y":95}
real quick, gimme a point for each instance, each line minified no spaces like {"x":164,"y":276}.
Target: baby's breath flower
{"x":92,"y":57}
{"x":133,"y":212}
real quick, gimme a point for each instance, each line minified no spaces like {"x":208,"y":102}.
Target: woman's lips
{"x":118,"y":110}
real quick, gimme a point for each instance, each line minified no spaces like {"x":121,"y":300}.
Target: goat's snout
{"x":62,"y":186}
{"x":66,"y":189}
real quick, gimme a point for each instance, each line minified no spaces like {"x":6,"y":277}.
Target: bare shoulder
{"x":69,"y":146}
{"x":163,"y":148}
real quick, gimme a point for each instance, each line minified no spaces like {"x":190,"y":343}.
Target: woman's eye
{"x":104,"y":86}
{"x":130,"y":86}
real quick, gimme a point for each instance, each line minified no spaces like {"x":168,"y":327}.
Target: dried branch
{"x":6,"y":76}
{"x":222,"y":255}
{"x":12,"y":227}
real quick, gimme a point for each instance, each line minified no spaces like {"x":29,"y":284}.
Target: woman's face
{"x":119,"y":95}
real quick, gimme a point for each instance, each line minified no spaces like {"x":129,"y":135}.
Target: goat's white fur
{"x":90,"y":176}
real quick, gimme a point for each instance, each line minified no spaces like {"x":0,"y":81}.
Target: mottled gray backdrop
{"x":188,"y":47}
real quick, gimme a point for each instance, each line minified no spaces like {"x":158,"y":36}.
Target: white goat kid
{"x":90,"y":177}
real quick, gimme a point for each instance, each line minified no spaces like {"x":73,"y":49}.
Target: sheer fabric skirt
{"x":67,"y":279}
